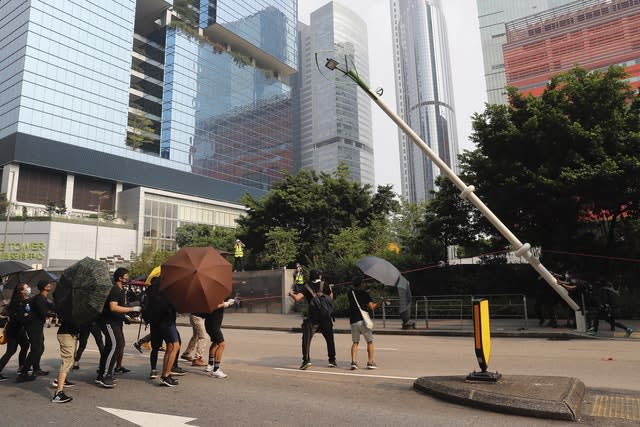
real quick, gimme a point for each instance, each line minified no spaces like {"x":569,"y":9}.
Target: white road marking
{"x":385,"y":348}
{"x":149,"y":419}
{"x":347,"y":374}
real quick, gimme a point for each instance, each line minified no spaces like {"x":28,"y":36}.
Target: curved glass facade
{"x":424,"y":92}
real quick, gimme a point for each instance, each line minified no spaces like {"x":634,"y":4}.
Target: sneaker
{"x":67,"y":383}
{"x":219,"y":374}
{"x":332,"y":364}
{"x":209,"y":368}
{"x":178,"y":371}
{"x":153,"y":374}
{"x":198,"y":362}
{"x":186,"y":357}
{"x":60,"y":397}
{"x":137,"y":346}
{"x":305,"y":365}
{"x":593,"y":333}
{"x":121,"y":370}
{"x":24,"y":377}
{"x":354,"y":366}
{"x":168,"y":381}
{"x":40,"y":373}
{"x":106,"y":381}
{"x":371,"y":365}
{"x":76,"y":365}
{"x":628,"y":332}
{"x":3,"y":377}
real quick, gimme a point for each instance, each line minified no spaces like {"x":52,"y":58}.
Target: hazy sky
{"x":466,"y":68}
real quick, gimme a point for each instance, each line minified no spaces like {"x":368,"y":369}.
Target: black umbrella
{"x":387,"y":274}
{"x":82,"y":291}
{"x":10,"y":267}
{"x":30,"y":277}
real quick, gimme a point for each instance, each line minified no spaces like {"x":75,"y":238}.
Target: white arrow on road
{"x":149,"y":419}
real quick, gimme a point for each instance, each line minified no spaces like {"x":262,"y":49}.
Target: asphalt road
{"x":266,"y":388}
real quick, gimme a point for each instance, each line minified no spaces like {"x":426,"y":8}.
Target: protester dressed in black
{"x":40,"y":308}
{"x":14,"y":330}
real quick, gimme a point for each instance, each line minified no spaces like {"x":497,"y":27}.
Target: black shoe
{"x":106,"y":381}
{"x":3,"y":378}
{"x":138,"y":346}
{"x":122,"y":370}
{"x":22,"y":378}
{"x":305,"y":365}
{"x":168,"y":381}
{"x":178,"y":371}
{"x":67,"y":383}
{"x":60,"y":397}
{"x":76,"y":365}
{"x":40,"y":373}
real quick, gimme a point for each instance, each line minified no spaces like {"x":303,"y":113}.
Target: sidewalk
{"x":514,"y":328}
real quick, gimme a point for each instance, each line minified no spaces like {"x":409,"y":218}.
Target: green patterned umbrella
{"x":82,"y":291}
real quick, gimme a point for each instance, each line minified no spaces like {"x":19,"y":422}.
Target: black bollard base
{"x":484,"y":376}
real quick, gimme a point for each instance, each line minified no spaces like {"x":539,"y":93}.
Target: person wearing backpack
{"x":319,"y":317}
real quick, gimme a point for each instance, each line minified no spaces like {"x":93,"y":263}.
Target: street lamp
{"x":467,"y":192}
{"x":100,"y":195}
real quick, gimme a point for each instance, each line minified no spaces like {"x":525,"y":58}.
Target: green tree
{"x":545,"y":164}
{"x":280,"y":247}
{"x":149,"y":258}
{"x":315,"y":206}
{"x":220,"y":238}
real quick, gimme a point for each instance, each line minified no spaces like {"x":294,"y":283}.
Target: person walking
{"x":316,"y":320}
{"x":92,"y":328}
{"x":111,"y":325}
{"x":359,"y":299}
{"x":15,"y":332}
{"x":67,"y":337}
{"x":163,"y":327}
{"x":238,"y":253}
{"x":213,"y":326}
{"x":40,"y":308}
{"x":197,"y":344}
{"x":608,"y":299}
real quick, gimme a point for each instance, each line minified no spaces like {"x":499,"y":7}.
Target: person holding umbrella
{"x":15,"y":330}
{"x":112,"y":319}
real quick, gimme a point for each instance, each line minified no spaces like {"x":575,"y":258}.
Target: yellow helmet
{"x":154,"y":273}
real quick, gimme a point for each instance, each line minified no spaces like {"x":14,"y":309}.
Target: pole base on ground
{"x":484,"y":376}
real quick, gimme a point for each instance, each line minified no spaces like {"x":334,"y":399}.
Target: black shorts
{"x":169,"y":333}
{"x":213,"y":326}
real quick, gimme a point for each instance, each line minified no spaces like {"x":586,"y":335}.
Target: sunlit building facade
{"x":103,"y":102}
{"x":594,"y":34}
{"x":424,"y":93}
{"x":334,"y":116}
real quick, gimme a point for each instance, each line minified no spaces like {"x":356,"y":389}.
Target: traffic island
{"x":533,"y":396}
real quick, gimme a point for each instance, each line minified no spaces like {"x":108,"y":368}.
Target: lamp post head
{"x":331,"y":64}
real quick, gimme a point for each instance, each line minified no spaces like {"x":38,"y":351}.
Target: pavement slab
{"x":534,"y":396}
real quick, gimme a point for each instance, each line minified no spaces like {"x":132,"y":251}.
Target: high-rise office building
{"x":424,"y":92}
{"x":493,"y":16}
{"x":594,"y":34}
{"x":335,"y":117}
{"x":162,"y":112}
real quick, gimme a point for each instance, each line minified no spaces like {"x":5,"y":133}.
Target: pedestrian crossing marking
{"x":627,"y":408}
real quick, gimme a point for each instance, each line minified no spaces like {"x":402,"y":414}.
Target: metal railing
{"x":455,"y":311}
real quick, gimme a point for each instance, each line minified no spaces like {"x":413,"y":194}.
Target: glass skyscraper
{"x":424,"y":92}
{"x":184,"y":97}
{"x":335,"y":117}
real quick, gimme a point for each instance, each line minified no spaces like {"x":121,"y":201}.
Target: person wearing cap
{"x":238,"y":253}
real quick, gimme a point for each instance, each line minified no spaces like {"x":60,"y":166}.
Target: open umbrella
{"x":31,"y":277}
{"x":196,"y":280}
{"x":82,"y":291}
{"x":10,"y":267}
{"x":387,"y":274}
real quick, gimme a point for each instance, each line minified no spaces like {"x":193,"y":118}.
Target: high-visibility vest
{"x":298,"y":278}
{"x":239,"y":252}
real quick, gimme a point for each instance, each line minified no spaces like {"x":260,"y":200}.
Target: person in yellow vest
{"x":298,"y":279}
{"x":238,"y":253}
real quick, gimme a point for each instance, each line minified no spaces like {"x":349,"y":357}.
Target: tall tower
{"x":424,"y":92}
{"x":335,"y":117}
{"x":493,"y":15}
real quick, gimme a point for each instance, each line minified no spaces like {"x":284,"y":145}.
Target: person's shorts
{"x":213,"y":325}
{"x":358,"y":329}
{"x":67,"y":348}
{"x":169,"y":333}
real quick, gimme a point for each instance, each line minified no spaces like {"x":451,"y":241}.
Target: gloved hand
{"x":229,"y":303}
{"x":136,"y":309}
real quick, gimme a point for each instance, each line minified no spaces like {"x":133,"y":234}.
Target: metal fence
{"x":454,"y":311}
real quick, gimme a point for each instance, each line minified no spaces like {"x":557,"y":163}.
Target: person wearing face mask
{"x":16,"y":335}
{"x":40,"y":307}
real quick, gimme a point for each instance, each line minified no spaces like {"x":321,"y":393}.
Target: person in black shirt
{"x":40,"y":307}
{"x":357,"y":325}
{"x":15,"y":330}
{"x":315,"y":321}
{"x":111,"y":326}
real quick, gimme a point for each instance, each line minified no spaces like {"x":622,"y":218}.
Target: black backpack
{"x":146,"y":312}
{"x":321,"y":303}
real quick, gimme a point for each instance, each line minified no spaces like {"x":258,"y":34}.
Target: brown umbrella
{"x":196,"y":280}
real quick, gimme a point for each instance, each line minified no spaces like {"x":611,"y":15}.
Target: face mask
{"x":27,"y":290}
